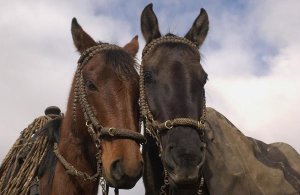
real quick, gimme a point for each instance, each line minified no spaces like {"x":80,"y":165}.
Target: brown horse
{"x":172,"y":100}
{"x":104,"y":90}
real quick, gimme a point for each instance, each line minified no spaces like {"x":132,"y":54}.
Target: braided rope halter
{"x":153,"y":127}
{"x":94,"y":128}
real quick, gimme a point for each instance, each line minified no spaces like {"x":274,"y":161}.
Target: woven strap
{"x":70,"y":169}
{"x":122,"y":133}
{"x":168,"y":39}
{"x":169,"y":124}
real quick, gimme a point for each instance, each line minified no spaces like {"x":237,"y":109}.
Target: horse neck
{"x":153,"y":168}
{"x":74,"y":134}
{"x":77,"y":147}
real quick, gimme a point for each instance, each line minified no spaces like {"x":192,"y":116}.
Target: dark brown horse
{"x":104,"y":90}
{"x":237,"y":164}
{"x":173,"y":106}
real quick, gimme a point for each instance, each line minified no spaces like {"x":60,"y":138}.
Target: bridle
{"x":153,"y":127}
{"x":94,"y":128}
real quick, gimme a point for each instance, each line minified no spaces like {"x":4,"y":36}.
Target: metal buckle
{"x":168,"y":124}
{"x":88,"y":123}
{"x":111,"y":131}
{"x":201,"y":124}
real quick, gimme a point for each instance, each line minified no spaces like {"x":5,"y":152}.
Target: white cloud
{"x":264,"y":107}
{"x":38,"y":59}
{"x":279,"y":21}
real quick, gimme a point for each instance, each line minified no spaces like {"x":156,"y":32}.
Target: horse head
{"x":173,"y":80}
{"x":110,"y":84}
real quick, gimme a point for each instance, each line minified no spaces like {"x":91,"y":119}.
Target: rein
{"x":153,"y":127}
{"x":94,"y":128}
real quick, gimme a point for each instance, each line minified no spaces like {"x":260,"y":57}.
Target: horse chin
{"x":122,"y":184}
{"x":179,"y":181}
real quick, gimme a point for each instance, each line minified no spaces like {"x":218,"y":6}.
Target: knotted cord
{"x":19,"y":167}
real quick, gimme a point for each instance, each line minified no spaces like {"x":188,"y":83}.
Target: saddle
{"x":19,"y":169}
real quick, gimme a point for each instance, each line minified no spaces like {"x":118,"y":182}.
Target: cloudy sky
{"x":251,"y":55}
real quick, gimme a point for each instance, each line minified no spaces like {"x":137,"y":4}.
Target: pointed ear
{"x":149,"y":24}
{"x":133,"y":46}
{"x":81,"y":39}
{"x":199,"y":30}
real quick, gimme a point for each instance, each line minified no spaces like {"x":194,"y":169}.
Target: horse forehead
{"x":99,"y":68}
{"x":175,"y":50}
{"x":96,"y":63}
{"x":177,"y":72}
{"x":164,"y":58}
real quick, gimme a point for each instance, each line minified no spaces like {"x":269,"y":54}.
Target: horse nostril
{"x":202,"y":147}
{"x":116,"y":169}
{"x":170,"y":148}
{"x":170,"y":157}
{"x":138,"y":169}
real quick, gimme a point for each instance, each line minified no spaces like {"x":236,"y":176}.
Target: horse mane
{"x":170,"y":35}
{"x":177,"y":45}
{"x":122,"y":63}
{"x":51,"y":130}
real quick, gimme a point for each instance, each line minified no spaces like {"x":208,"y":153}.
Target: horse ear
{"x":199,"y":30}
{"x":149,"y":24}
{"x":81,"y":39}
{"x":133,"y":46}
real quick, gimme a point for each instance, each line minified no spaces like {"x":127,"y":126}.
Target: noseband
{"x":153,"y":127}
{"x":95,"y":129}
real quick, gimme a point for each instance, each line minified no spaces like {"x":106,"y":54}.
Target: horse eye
{"x":90,"y":86}
{"x":148,"y":77}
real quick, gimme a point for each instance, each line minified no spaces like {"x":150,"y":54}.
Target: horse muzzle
{"x":121,"y":179}
{"x":184,"y":177}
